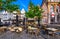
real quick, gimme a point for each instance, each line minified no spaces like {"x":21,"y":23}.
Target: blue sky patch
{"x":24,"y":3}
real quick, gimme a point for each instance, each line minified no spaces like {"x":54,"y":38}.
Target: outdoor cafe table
{"x":52,"y":30}
{"x":33,"y":29}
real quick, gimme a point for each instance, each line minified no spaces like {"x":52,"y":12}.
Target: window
{"x":51,"y":8}
{"x":59,"y":9}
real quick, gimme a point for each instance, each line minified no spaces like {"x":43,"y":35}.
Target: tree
{"x":8,"y":6}
{"x":34,"y":11}
{"x":30,"y":12}
{"x":11,"y":8}
{"x":38,"y":13}
{"x":1,"y":5}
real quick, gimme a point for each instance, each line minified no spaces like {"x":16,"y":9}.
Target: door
{"x":52,"y":16}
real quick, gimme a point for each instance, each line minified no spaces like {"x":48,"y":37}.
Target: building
{"x":6,"y":16}
{"x":44,"y":14}
{"x":51,"y":11}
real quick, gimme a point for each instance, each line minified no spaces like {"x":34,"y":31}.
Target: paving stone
{"x":23,"y":35}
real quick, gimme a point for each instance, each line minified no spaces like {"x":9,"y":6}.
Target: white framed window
{"x":59,"y":9}
{"x":51,"y":8}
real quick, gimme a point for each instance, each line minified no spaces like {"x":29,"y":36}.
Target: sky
{"x":24,"y":3}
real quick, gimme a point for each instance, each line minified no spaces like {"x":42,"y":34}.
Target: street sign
{"x":53,"y":15}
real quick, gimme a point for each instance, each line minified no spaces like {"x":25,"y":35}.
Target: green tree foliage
{"x":8,"y":6}
{"x":34,"y":11}
{"x":30,"y":12}
{"x":38,"y":11}
{"x":12,"y":8}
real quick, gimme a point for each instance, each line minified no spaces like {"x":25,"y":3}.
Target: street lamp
{"x":15,"y":12}
{"x":23,"y":16}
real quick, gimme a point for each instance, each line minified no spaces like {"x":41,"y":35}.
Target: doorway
{"x":52,"y":20}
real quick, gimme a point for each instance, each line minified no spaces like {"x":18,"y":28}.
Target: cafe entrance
{"x":52,"y":16}
{"x":55,"y":16}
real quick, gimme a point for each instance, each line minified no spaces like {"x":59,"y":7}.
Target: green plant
{"x":34,"y":11}
{"x":38,"y":12}
{"x":8,"y":6}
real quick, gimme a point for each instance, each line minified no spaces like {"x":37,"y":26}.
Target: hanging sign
{"x":53,"y":15}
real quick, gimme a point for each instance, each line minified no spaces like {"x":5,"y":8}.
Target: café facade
{"x":51,"y":12}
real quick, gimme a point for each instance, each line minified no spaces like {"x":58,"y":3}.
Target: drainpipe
{"x":55,"y":17}
{"x":49,"y":18}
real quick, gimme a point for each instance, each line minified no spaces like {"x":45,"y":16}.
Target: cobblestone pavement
{"x":23,"y":35}
{"x":13,"y":35}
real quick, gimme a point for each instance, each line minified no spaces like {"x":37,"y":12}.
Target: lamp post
{"x":23,"y":16}
{"x":15,"y":12}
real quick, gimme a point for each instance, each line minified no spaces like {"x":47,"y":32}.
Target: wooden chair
{"x":33,"y":31}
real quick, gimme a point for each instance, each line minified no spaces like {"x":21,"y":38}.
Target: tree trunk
{"x":17,"y":24}
{"x":38,"y":21}
{"x":23,"y":21}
